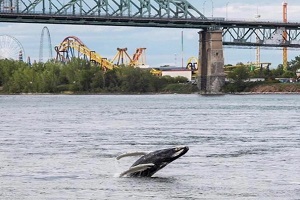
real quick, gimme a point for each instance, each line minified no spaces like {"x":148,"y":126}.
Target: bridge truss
{"x":134,"y":8}
{"x":265,"y":37}
{"x":149,"y":13}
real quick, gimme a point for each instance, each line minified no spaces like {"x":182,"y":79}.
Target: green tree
{"x":50,"y":78}
{"x":79,"y":75}
{"x":7,"y":68}
{"x":98,"y":81}
{"x":289,"y":74}
{"x":239,"y":74}
{"x":278,"y":72}
{"x":134,"y":79}
{"x":111,"y":81}
{"x":294,"y":65}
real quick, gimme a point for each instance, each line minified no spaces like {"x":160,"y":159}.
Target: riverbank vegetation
{"x":79,"y":76}
{"x":264,"y":79}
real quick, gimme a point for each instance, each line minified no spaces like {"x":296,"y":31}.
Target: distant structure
{"x":42,"y":44}
{"x":285,"y":53}
{"x":138,"y":59}
{"x":8,"y":5}
{"x":122,"y":57}
{"x":29,"y":61}
{"x":11,"y":48}
{"x":257,"y":16}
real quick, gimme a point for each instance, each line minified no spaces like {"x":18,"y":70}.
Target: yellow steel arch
{"x":71,"y":43}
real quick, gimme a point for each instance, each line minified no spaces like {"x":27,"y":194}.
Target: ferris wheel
{"x":11,"y":48}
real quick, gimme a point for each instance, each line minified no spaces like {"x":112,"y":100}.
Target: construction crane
{"x":257,"y":16}
{"x":284,"y":53}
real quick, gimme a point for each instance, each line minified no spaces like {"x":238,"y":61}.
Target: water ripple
{"x":64,"y":147}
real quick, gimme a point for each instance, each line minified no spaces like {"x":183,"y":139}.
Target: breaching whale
{"x":150,"y":163}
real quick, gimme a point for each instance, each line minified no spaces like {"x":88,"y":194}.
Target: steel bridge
{"x":149,"y":13}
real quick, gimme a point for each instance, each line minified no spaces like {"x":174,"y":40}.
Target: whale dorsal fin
{"x":137,"y":168}
{"x":131,"y":154}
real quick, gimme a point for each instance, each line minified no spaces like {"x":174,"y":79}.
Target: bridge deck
{"x":165,"y":22}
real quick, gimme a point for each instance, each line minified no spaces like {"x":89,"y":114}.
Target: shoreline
{"x":236,"y":93}
{"x":262,"y":89}
{"x":254,"y":93}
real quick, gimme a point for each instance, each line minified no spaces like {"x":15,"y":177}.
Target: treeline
{"x":79,"y":76}
{"x":238,"y":76}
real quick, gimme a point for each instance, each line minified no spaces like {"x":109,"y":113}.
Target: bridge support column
{"x":211,"y":76}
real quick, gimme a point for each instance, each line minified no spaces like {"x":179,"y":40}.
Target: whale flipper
{"x":131,"y":154}
{"x":149,"y":163}
{"x":137,"y":168}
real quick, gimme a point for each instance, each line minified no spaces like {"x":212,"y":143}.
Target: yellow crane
{"x":285,"y":53}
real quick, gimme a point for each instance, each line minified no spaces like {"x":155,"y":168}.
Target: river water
{"x":64,"y":146}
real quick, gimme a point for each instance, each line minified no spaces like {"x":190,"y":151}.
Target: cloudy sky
{"x":163,"y":45}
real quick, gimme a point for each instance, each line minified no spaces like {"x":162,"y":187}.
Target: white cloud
{"x":267,"y":12}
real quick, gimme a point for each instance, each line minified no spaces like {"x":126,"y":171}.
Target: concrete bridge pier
{"x":211,"y":76}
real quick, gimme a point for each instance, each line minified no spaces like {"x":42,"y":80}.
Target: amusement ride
{"x":11,"y":48}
